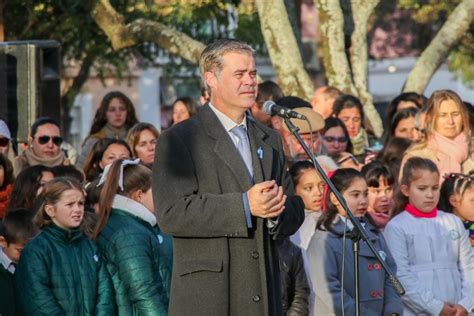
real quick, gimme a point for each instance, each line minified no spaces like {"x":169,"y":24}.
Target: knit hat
{"x":4,"y":131}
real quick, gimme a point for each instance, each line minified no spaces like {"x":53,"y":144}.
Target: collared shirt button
{"x":255,"y":255}
{"x":256,"y":298}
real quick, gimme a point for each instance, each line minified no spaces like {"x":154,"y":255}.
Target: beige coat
{"x":434,"y":156}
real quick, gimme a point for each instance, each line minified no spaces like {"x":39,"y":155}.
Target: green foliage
{"x":461,"y":59}
{"x":203,"y":20}
{"x":70,"y":23}
{"x":434,"y":13}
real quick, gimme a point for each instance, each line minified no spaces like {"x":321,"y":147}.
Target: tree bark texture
{"x":437,"y":51}
{"x":125,"y":35}
{"x":68,"y":98}
{"x":361,"y":12}
{"x":336,"y":65}
{"x":283,"y":49}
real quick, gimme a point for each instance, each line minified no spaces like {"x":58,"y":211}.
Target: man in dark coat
{"x":225,"y":197}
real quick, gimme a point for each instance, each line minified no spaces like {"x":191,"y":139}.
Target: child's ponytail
{"x":121,"y":177}
{"x":111,"y":186}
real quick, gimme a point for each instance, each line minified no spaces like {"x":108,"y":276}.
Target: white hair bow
{"x":124,"y":163}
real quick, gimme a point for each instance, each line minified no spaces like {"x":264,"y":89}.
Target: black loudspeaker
{"x":30,"y":84}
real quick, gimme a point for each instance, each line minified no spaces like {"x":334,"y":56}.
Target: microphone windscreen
{"x":268,"y":106}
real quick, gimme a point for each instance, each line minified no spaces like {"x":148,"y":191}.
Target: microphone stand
{"x":358,"y":232}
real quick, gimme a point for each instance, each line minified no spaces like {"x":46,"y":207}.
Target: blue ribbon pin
{"x":260,"y":153}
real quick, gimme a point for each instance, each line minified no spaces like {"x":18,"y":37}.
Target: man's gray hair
{"x":211,"y":56}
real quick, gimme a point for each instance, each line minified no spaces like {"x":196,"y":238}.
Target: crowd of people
{"x":205,"y":219}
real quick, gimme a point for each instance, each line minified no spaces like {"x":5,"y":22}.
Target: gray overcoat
{"x":220,"y":266}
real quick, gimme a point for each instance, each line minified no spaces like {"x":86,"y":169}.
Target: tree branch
{"x":438,"y":50}
{"x":361,"y":12}
{"x":283,"y":49}
{"x":78,"y":82}
{"x":73,"y":91}
{"x":125,"y":35}
{"x":335,"y":60}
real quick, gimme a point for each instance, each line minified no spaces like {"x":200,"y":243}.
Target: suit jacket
{"x":220,"y":266}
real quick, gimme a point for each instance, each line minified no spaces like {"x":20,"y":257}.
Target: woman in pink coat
{"x":447,"y":133}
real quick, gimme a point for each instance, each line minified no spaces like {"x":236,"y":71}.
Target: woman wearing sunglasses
{"x":45,"y":142}
{"x":335,"y":138}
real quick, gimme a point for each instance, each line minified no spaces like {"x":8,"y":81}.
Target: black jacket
{"x":7,"y":292}
{"x":294,"y":285}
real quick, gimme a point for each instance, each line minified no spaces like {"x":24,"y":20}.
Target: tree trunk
{"x":68,"y":98}
{"x":125,"y":35}
{"x":361,"y":12}
{"x":336,"y":65}
{"x":435,"y":54}
{"x":283,"y":49}
{"x":292,"y":10}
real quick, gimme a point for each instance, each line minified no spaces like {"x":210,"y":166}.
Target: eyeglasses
{"x":331,"y":139}
{"x":43,"y":140}
{"x":4,"y":142}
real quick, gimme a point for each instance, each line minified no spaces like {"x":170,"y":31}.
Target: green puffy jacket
{"x":132,"y":255}
{"x":61,"y":273}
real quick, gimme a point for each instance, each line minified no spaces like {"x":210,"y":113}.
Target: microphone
{"x":271,"y":108}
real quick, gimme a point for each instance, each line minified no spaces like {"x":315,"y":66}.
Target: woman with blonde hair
{"x":142,"y":139}
{"x":447,"y":133}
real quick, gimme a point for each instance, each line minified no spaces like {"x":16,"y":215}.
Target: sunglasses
{"x":331,"y":139}
{"x":43,"y":140}
{"x":4,"y":142}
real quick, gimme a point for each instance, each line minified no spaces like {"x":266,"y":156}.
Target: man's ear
{"x":3,"y":242}
{"x":210,"y":79}
{"x":404,"y":189}
{"x":276,"y":122}
{"x":30,"y":139}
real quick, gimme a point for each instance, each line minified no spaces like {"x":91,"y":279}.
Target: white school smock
{"x":435,"y":261}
